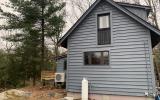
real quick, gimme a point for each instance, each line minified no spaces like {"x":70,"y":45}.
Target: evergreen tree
{"x":35,"y":21}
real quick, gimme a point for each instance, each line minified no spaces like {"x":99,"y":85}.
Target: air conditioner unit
{"x":59,"y":77}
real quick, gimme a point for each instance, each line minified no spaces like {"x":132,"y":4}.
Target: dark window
{"x":65,"y":64}
{"x":104,"y":30}
{"x":96,"y":58}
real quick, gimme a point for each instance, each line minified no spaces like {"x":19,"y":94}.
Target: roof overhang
{"x":155,"y":38}
{"x":148,"y":9}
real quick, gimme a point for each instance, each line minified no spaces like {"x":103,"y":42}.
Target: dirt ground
{"x":44,"y":93}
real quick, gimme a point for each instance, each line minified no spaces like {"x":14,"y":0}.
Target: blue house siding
{"x":129,"y":72}
{"x":60,"y":65}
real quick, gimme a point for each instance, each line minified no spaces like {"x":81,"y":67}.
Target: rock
{"x":68,"y":98}
{"x":58,"y":95}
{"x":13,"y":95}
{"x":3,"y":96}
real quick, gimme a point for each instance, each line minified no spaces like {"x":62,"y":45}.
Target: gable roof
{"x":63,"y":40}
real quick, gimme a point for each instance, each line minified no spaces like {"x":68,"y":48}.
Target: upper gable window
{"x":104,"y":31}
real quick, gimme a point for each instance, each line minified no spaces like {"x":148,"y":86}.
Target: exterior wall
{"x":142,"y":13}
{"x":130,"y":69}
{"x":108,"y":97}
{"x":60,"y":65}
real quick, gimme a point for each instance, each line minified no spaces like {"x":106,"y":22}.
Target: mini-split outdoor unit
{"x":59,"y":77}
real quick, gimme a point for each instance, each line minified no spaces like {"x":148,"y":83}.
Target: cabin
{"x":111,"y":45}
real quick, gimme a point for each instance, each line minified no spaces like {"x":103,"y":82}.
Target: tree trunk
{"x":34,"y":80}
{"x":24,"y":82}
{"x":156,"y":20}
{"x":154,"y":7}
{"x":56,"y":50}
{"x":42,"y":37}
{"x":25,"y":78}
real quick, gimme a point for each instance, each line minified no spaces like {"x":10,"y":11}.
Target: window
{"x":104,"y":31}
{"x":96,"y":58}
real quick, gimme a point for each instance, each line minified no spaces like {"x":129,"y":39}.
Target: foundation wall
{"x":108,"y":97}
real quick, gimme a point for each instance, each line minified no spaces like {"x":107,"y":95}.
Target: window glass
{"x":104,"y":31}
{"x":96,"y":58}
{"x":104,"y":21}
{"x":106,"y":58}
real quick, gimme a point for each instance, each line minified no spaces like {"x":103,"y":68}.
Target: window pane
{"x":104,"y":21}
{"x":96,"y":58}
{"x":106,"y":58}
{"x":87,"y":58}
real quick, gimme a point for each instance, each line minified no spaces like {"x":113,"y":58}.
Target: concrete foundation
{"x":108,"y":97}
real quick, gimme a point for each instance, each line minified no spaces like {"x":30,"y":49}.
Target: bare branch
{"x":136,"y":1}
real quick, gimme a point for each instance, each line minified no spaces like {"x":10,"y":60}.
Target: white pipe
{"x":84,"y":89}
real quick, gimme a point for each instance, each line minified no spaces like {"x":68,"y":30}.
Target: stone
{"x":58,"y":95}
{"x":13,"y":95}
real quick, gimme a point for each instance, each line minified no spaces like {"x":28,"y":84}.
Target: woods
{"x":31,"y":23}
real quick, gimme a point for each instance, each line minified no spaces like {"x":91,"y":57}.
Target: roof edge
{"x":134,"y":5}
{"x":78,"y":21}
{"x":135,"y":17}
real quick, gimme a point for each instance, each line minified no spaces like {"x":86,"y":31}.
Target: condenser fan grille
{"x":58,"y":77}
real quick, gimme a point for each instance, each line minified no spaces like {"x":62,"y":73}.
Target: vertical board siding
{"x":129,"y":72}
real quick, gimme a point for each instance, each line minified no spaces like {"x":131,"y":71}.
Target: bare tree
{"x":77,"y":8}
{"x":155,"y":5}
{"x":136,"y":1}
{"x":125,"y":1}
